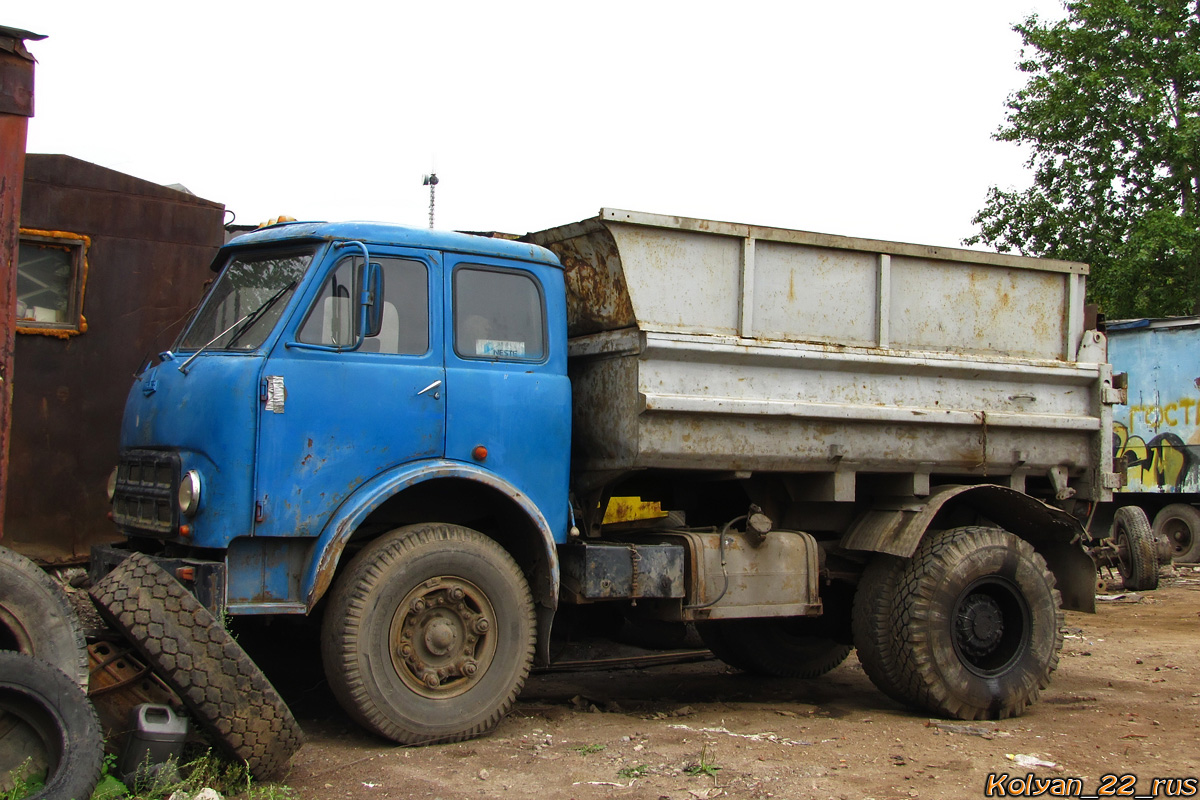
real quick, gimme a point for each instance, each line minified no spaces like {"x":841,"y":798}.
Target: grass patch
{"x":205,"y":770}
{"x":588,"y":749}
{"x":23,"y":781}
{"x":704,"y":766}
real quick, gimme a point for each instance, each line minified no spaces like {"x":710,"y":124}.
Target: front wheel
{"x":429,"y":635}
{"x":977,"y":624}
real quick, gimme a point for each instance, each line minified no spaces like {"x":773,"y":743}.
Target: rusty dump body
{"x":850,"y":367}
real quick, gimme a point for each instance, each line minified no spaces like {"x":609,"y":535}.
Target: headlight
{"x":112,"y":484}
{"x":189,"y":493}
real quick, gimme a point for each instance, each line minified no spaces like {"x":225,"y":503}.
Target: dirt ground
{"x":1124,"y":701}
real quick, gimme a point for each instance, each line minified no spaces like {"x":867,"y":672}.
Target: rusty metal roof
{"x":12,"y":40}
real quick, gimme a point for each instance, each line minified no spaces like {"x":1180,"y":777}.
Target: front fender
{"x":372,"y":494}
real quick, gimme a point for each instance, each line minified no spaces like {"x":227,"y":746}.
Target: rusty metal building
{"x":16,"y":107}
{"x":108,"y":269}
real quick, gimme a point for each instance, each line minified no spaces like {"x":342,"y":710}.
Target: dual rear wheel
{"x":969,"y":627}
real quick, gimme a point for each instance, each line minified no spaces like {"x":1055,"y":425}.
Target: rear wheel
{"x":429,"y":635}
{"x":786,"y":647}
{"x":872,"y":628}
{"x":1179,"y":524}
{"x":977,"y":623}
{"x":1137,"y":557}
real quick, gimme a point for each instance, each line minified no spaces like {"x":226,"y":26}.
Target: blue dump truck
{"x":1156,"y":435}
{"x":435,"y":443}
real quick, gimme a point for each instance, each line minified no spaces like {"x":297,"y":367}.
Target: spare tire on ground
{"x":1138,"y":559}
{"x":37,"y":619}
{"x":223,"y":688}
{"x":46,"y":723}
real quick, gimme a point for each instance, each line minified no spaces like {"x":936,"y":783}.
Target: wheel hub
{"x":991,"y":625}
{"x":1179,"y":535}
{"x":980,"y":625}
{"x":439,"y":637}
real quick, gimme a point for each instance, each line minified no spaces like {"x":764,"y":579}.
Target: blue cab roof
{"x":390,"y":233}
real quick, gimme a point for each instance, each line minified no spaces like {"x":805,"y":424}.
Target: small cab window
{"x":51,"y":270}
{"x":498,"y":314}
{"x":404,"y":328}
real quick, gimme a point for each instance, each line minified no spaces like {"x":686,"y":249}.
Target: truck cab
{"x":328,"y":389}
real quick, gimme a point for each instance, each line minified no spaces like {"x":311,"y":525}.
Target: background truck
{"x":800,"y":443}
{"x":1156,"y":436}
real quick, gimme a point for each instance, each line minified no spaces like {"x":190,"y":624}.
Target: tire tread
{"x":871,"y":625}
{"x":1141,"y":572}
{"x":27,"y":591}
{"x":220,"y":684}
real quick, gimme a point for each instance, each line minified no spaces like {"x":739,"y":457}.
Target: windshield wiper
{"x":255,"y":315}
{"x":246,"y":321}
{"x":205,"y":346}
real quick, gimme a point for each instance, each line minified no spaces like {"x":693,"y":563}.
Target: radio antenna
{"x":431,"y":180}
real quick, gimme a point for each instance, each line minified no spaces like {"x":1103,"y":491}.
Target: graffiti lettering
{"x":1153,"y":416}
{"x":1187,"y":404}
{"x":1163,"y":464}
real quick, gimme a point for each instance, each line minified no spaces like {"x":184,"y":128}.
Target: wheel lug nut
{"x":406,"y":650}
{"x":469,"y":668}
{"x":482,"y":625}
{"x":418,"y":605}
{"x":456,"y":594}
{"x":432,"y":680}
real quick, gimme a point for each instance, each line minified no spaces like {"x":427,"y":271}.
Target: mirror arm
{"x":364,"y":295}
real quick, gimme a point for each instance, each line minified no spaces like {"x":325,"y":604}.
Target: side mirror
{"x":371,"y":301}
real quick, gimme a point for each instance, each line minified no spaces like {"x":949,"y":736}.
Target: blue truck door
{"x":507,"y":389}
{"x":333,"y":419}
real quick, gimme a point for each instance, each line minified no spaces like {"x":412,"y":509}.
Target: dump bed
{"x":709,"y":345}
{"x":1157,"y":434}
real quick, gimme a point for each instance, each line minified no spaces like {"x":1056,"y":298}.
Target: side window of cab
{"x":405,"y":318}
{"x":499,"y":314}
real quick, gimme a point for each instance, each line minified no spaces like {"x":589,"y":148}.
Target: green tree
{"x":1110,"y":112}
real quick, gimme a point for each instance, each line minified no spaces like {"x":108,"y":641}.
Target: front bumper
{"x":205,"y":579}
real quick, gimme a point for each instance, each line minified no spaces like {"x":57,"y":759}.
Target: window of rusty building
{"x":51,"y":275}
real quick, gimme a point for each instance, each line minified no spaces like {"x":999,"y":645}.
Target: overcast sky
{"x":869,"y":118}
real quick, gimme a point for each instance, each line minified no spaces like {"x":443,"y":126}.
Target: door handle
{"x":434,"y":385}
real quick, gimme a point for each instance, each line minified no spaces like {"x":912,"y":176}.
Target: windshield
{"x":246,"y":301}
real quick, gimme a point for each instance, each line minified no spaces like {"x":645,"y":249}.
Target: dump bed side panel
{"x":626,"y":269}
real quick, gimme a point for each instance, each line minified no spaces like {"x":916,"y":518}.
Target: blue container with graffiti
{"x":1158,"y":432}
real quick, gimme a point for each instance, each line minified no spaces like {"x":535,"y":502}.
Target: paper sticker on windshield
{"x":496,"y":348}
